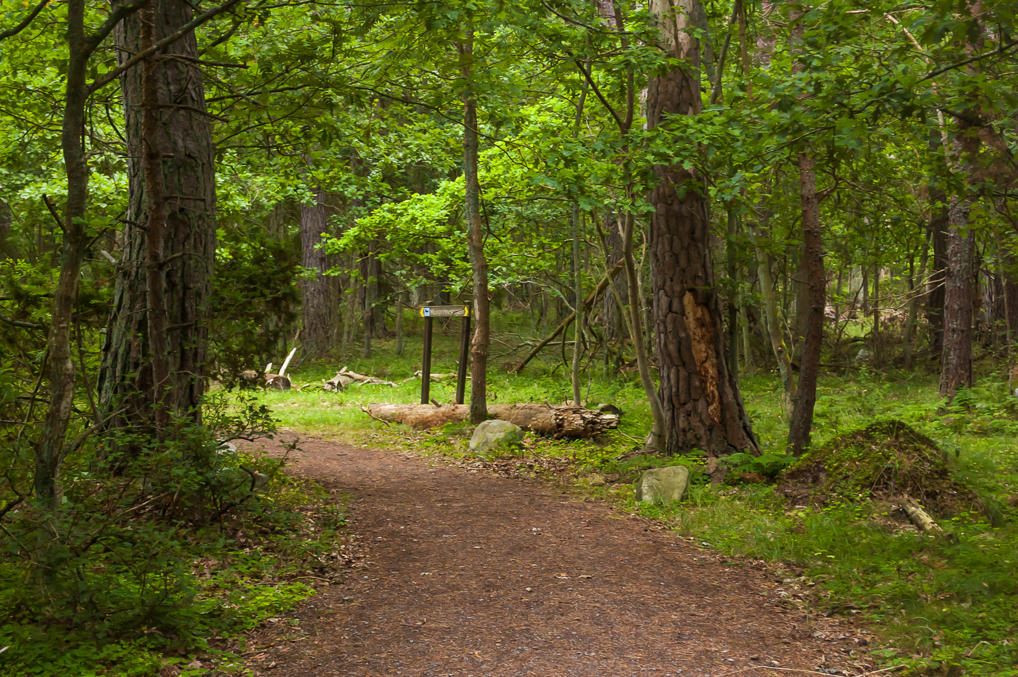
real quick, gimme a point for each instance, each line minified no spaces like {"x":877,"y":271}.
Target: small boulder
{"x":662,"y":485}
{"x":496,"y":435}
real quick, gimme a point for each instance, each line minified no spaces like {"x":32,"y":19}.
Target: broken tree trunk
{"x":587,"y":302}
{"x":554,"y":421}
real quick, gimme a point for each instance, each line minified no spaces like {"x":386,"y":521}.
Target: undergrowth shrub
{"x":159,"y":548}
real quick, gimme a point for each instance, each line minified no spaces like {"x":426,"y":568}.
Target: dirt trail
{"x":467,"y":573}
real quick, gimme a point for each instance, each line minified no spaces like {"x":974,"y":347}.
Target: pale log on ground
{"x":555,"y":421}
{"x":919,"y":517}
{"x":345,"y":377}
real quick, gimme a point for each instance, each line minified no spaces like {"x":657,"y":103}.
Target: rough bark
{"x":319,"y":294}
{"x":699,"y":397}
{"x":956,"y":361}
{"x":558,"y":421}
{"x":177,"y":264}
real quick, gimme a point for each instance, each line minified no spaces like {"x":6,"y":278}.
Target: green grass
{"x":940,"y":605}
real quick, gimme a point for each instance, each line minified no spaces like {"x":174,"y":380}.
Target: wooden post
{"x":426,"y":362}
{"x":428,"y":313}
{"x":461,"y":368}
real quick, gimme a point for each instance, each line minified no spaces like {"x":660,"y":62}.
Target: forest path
{"x":469,"y":573}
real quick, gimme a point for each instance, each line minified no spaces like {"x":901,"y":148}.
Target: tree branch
{"x":978,"y":57}
{"x":112,"y":75}
{"x":24,"y":22}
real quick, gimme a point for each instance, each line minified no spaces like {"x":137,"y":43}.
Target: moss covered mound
{"x":886,"y":460}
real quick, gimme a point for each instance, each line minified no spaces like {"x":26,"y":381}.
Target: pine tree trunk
{"x":319,"y":294}
{"x":699,"y":397}
{"x":956,"y":363}
{"x":175,"y":270}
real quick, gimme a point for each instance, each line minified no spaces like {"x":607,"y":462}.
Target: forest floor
{"x":463,"y":572}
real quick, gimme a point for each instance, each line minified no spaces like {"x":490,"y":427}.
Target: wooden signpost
{"x":429,"y":313}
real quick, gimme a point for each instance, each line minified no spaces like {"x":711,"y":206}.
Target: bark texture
{"x":320,"y":294}
{"x":174,"y":270}
{"x":956,"y":361}
{"x":699,"y":397}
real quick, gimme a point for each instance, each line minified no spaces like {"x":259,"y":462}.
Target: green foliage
{"x":161,"y":549}
{"x":767,"y":465}
{"x":255,"y":301}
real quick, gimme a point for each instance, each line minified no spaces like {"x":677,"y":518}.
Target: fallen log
{"x":544,"y":419}
{"x":345,"y":377}
{"x":249,"y":378}
{"x":919,"y":517}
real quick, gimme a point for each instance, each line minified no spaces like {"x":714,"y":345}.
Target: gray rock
{"x":496,"y":435}
{"x":662,"y":485}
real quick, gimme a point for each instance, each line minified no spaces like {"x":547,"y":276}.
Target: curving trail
{"x":468,"y":573}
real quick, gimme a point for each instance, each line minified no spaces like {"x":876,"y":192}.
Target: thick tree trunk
{"x":956,"y":363}
{"x":178,"y":266}
{"x":699,"y":397}
{"x":475,"y":241}
{"x":319,"y":294}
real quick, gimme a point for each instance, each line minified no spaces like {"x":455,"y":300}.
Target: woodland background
{"x":697,"y":194}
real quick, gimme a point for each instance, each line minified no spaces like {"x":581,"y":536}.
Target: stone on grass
{"x":496,"y":436}
{"x":662,"y":485}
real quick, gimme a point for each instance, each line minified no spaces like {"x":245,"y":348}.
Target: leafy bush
{"x":159,"y":548}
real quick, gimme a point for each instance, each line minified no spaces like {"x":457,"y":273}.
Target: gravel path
{"x":469,"y":573}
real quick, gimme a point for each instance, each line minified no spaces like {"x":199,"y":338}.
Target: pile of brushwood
{"x":889,"y":462}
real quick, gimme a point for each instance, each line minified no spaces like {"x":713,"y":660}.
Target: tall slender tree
{"x":475,"y":234}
